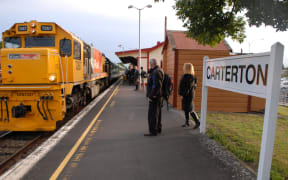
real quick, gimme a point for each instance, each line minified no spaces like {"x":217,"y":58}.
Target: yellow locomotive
{"x":47,"y":72}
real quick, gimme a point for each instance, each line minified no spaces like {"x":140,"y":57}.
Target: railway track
{"x":4,"y":133}
{"x":14,"y":145}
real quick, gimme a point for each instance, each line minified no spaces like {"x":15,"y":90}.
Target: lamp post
{"x":254,"y":41}
{"x":139,"y":9}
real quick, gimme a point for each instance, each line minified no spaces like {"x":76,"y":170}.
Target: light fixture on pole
{"x":121,"y":46}
{"x":139,"y":9}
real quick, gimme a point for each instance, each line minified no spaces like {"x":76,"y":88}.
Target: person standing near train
{"x":154,"y":94}
{"x":187,"y":86}
{"x":132,"y":73}
{"x":143,"y":75}
{"x":136,"y":78}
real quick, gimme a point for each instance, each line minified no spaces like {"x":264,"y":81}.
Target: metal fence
{"x":283,"y":97}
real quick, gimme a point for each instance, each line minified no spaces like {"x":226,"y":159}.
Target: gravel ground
{"x":225,"y":157}
{"x":12,"y":143}
{"x":241,"y":171}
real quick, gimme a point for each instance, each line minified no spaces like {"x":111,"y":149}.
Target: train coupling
{"x":20,"y":111}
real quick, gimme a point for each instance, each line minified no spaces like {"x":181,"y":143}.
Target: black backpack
{"x":190,"y":86}
{"x":143,"y":74}
{"x":167,"y":88}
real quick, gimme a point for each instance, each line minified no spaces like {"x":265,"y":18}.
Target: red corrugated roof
{"x":180,"y":41}
{"x":159,"y":44}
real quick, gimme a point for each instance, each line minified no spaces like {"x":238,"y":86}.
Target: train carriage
{"x":46,"y":72}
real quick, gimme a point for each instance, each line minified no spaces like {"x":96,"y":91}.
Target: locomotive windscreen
{"x":40,"y":41}
{"x":12,"y":42}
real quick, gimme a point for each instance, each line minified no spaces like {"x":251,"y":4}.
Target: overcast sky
{"x":109,"y":23}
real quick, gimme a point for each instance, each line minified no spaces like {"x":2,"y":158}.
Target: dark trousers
{"x":187,"y":116}
{"x":154,"y":116}
{"x":159,"y":124}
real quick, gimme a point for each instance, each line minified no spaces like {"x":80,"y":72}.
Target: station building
{"x":177,"y":50}
{"x":132,"y":56}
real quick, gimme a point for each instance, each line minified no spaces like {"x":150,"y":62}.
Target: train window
{"x":12,"y":42}
{"x":77,"y":50}
{"x":65,"y":47}
{"x":40,"y":41}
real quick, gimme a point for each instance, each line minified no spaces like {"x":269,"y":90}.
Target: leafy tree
{"x":210,"y":21}
{"x":0,"y":44}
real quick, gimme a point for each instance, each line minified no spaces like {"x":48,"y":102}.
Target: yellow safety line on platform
{"x":112,"y":103}
{"x":78,"y":143}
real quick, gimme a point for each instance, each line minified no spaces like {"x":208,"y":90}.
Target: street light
{"x":254,"y":41}
{"x":139,"y":9}
{"x":121,"y":46}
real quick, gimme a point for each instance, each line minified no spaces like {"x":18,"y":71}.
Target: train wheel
{"x":87,"y":96}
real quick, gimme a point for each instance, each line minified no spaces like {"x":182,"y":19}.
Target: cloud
{"x":109,"y":23}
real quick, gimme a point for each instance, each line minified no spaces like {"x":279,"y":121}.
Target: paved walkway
{"x":115,"y":148}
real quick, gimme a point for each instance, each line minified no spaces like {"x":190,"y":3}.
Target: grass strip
{"x":241,"y":134}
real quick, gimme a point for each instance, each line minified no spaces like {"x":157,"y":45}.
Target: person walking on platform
{"x":154,"y":93}
{"x":143,"y":75}
{"x":136,"y":78}
{"x":187,"y":86}
{"x":131,"y":77}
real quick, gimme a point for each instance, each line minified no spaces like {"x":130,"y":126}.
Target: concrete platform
{"x":115,"y":147}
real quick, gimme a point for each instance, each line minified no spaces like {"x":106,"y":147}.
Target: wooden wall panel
{"x":202,"y":52}
{"x":257,"y":104}
{"x":218,"y":100}
{"x":164,"y":62}
{"x":169,"y":65}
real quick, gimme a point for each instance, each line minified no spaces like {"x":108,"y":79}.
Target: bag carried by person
{"x":167,"y":88}
{"x":143,"y":74}
{"x":190,"y":86}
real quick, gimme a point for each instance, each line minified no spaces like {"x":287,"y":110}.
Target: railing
{"x":283,"y":99}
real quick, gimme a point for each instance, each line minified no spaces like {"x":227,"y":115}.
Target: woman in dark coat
{"x":187,"y":86}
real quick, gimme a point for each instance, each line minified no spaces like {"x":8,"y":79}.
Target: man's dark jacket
{"x":136,"y":75}
{"x":154,"y":84}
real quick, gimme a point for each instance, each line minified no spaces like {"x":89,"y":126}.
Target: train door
{"x":86,"y":62}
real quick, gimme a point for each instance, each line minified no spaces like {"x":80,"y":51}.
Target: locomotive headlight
{"x":52,"y":78}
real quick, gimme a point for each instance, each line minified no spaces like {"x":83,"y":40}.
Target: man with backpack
{"x":167,"y":88}
{"x":154,"y":94}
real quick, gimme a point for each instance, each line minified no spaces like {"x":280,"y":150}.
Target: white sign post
{"x":257,"y":75}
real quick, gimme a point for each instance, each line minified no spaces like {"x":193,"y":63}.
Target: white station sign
{"x":256,"y":75}
{"x":242,"y":74}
